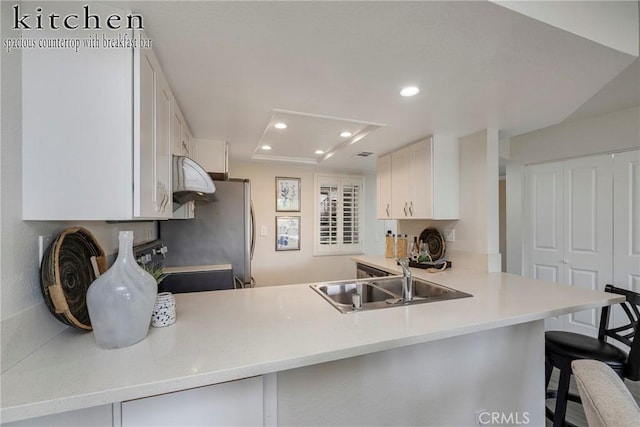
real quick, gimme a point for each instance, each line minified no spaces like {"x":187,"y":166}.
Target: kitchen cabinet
{"x":152,"y":186}
{"x":95,"y":416}
{"x":213,"y":156}
{"x":401,"y":184}
{"x":423,"y":180}
{"x":181,"y":145}
{"x":180,"y":134}
{"x":96,"y":132}
{"x":383,"y":187}
{"x":236,"y":403}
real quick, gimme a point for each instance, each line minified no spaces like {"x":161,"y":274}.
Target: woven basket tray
{"x":66,"y":273}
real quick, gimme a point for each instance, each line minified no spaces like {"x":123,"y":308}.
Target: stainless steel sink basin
{"x":381,"y":292}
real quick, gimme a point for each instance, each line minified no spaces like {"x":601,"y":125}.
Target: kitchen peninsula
{"x":428,"y":364}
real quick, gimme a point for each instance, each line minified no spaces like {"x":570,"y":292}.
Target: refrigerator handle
{"x":253,"y":230}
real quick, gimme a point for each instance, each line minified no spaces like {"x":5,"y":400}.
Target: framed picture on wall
{"x":287,"y":194}
{"x":287,"y":233}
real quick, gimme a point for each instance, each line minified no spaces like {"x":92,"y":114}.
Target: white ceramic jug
{"x":120,"y":302}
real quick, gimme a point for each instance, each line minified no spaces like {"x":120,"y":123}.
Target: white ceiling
{"x":479,"y":65}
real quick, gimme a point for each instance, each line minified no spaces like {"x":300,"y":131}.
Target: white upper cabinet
{"x":420,"y":181}
{"x":96,"y":131}
{"x":181,"y":146}
{"x":211,"y":155}
{"x":152,"y":185}
{"x":383,"y":189}
{"x":180,"y":134}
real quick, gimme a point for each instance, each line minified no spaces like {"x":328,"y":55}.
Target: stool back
{"x":626,"y":333}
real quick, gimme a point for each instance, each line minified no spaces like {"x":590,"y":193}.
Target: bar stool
{"x":562,"y":348}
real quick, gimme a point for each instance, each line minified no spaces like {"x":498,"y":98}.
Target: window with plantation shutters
{"x":338,"y":218}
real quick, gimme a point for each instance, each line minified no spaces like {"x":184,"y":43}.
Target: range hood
{"x":190,"y":181}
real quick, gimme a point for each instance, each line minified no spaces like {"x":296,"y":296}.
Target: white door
{"x":543,"y":237}
{"x":588,"y":232}
{"x":626,"y":225}
{"x":568,"y":232}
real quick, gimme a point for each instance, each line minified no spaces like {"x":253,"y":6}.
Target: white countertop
{"x":226,"y":335}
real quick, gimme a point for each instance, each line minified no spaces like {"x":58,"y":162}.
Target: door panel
{"x":588,"y":231}
{"x":543,"y":219}
{"x":548,"y":273}
{"x":543,"y":244}
{"x":626,"y":226}
{"x":586,"y":320}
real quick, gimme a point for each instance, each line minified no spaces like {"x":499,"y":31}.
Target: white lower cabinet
{"x":97,"y":416}
{"x":236,"y":403}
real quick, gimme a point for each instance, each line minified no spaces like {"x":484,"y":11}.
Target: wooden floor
{"x":575,"y":414}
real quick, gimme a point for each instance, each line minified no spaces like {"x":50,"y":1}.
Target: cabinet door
{"x":401,"y":192}
{"x":211,"y":155}
{"x":163,"y":193}
{"x":152,"y":172}
{"x":420,"y":204}
{"x":186,"y":142}
{"x":383,"y":187}
{"x":177,"y":124}
{"x":236,"y":403}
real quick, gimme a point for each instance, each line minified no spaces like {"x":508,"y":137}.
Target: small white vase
{"x":164,"y":310}
{"x":120,"y":301}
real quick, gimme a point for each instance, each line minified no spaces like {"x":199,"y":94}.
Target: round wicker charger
{"x":66,"y":273}
{"x":434,"y":240}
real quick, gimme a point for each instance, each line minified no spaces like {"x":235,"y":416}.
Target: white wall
{"x":271,"y":267}
{"x":595,"y":135}
{"x":25,"y":321}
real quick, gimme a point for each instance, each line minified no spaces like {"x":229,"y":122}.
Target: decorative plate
{"x":66,"y":273}
{"x":435,"y":242}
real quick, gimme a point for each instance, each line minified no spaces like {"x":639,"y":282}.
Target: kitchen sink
{"x":381,"y":292}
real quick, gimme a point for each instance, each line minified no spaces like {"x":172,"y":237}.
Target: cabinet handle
{"x":388,"y":214}
{"x":164,"y":200}
{"x":411,"y":208}
{"x":167,"y":198}
{"x":405,"y":209}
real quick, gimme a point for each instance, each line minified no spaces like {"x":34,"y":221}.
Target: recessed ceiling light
{"x":280,"y":125}
{"x":409,"y":91}
{"x":266,"y":147}
{"x":319,"y":152}
{"x":345,"y":134}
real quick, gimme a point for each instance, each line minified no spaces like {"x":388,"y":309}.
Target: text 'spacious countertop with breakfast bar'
{"x":233,"y":334}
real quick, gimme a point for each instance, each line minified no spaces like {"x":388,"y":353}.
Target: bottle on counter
{"x":414,"y":250}
{"x":401,"y":246}
{"x":389,"y":241}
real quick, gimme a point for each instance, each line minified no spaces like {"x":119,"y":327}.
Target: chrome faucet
{"x":407,"y":283}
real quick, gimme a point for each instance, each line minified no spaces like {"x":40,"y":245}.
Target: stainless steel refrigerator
{"x":221,"y":233}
